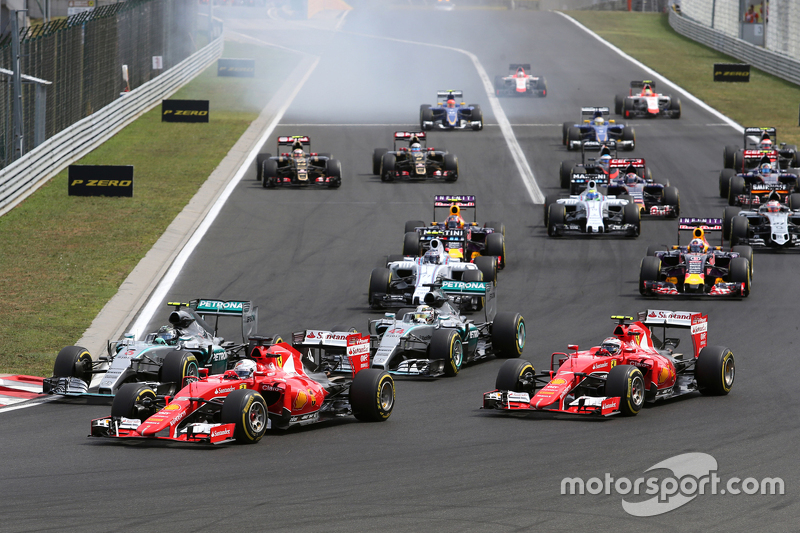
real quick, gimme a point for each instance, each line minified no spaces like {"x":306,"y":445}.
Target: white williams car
{"x":591,"y":213}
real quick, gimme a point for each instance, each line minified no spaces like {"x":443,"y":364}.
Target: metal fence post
{"x":40,"y":115}
{"x":19,"y":138}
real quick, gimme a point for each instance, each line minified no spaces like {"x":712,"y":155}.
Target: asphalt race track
{"x":440,"y":463}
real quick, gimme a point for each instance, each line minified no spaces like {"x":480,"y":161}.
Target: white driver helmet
{"x":245,"y":368}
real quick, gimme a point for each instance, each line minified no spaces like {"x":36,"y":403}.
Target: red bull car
{"x":631,"y":367}
{"x":273,"y":390}
{"x":642,"y":100}
{"x":519,"y":82}
{"x":698,"y":269}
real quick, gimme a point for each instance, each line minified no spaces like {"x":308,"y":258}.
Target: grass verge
{"x":765,"y":101}
{"x":62,"y":258}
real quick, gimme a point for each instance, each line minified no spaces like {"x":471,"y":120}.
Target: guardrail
{"x":774,"y":63}
{"x":24,"y":176}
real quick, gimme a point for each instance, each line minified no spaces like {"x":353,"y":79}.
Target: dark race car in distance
{"x":756,"y":186}
{"x":450,"y":114}
{"x":519,"y":83}
{"x":697,"y":269}
{"x":462,"y":240}
{"x":413,"y":161}
{"x":628,"y":369}
{"x":642,"y":100}
{"x":298,"y":167}
{"x":596,"y":128}
{"x":758,"y":142}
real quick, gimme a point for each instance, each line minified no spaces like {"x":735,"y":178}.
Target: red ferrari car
{"x":271,"y":390}
{"x":619,"y":376}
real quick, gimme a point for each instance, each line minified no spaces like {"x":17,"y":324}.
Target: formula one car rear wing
{"x":696,"y":323}
{"x":640,"y":84}
{"x":514,"y":66}
{"x":302,"y":140}
{"x":594,"y":111}
{"x":462,"y":201}
{"x":699,"y":227}
{"x":217,"y":308}
{"x":603,"y":148}
{"x":463,"y":289}
{"x":454,"y":94}
{"x":754,"y":135}
{"x":410,"y":137}
{"x":329,"y":351}
{"x":625,"y":163}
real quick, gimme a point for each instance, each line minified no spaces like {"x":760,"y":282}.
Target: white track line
{"x":525,"y":172}
{"x":728,"y":121}
{"x":156,"y":299}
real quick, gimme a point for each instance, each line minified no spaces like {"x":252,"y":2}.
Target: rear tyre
{"x":652,"y":249}
{"x":446,"y":344}
{"x":388,"y":165}
{"x":556,"y":214}
{"x":631,"y":215}
{"x":740,"y":227}
{"x":794,"y":201}
{"x":565,"y":131}
{"x":412,"y":225}
{"x":73,"y":362}
{"x":372,"y":395}
{"x":574,"y":134}
{"x":725,"y":176}
{"x":498,"y":227}
{"x":649,"y":270}
{"x":247,"y":411}
{"x":411,"y":245}
{"x":260,"y":158}
{"x":673,"y":198}
{"x":134,"y":400}
{"x":735,"y":189}
{"x":619,"y":102}
{"x":747,"y":252}
{"x":377,"y":159}
{"x":675,"y":108}
{"x":628,"y":134}
{"x":487,"y":264}
{"x":513,"y":373}
{"x":269,"y":174}
{"x":425,"y":115}
{"x":508,"y":335}
{"x":626,"y":381}
{"x":496,"y":247}
{"x":378,"y":284}
{"x":177,"y":366}
{"x":334,"y":171}
{"x":738,"y":161}
{"x":728,"y":216}
{"x":727,"y":156}
{"x":477,"y":115}
{"x":715,"y":370}
{"x":565,"y":174}
{"x":541,"y":87}
{"x":549,"y":200}
{"x":740,"y":273}
{"x":451,"y":165}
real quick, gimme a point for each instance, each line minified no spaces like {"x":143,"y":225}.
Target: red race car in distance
{"x":619,"y":376}
{"x":271,"y":390}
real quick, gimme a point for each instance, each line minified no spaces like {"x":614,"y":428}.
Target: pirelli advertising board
{"x":731,"y":72}
{"x":100,"y":180}
{"x":237,"y":68}
{"x":184,"y":110}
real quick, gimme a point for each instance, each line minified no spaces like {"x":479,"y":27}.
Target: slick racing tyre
{"x":565,"y":174}
{"x":516,"y":375}
{"x":574,"y":134}
{"x":675,"y":108}
{"x":73,"y":362}
{"x":498,"y":85}
{"x":626,"y":381}
{"x":334,"y":172}
{"x":372,"y":395}
{"x":727,"y":156}
{"x":728,"y":214}
{"x":498,"y":227}
{"x":541,"y":87}
{"x":715,"y":370}
{"x":487,"y":264}
{"x":549,"y":200}
{"x":260,"y":158}
{"x":496,"y":247}
{"x":631,"y":215}
{"x":652,"y":249}
{"x":179,"y":365}
{"x":393,"y":258}
{"x":556,"y":214}
{"x":451,"y":165}
{"x":628,"y":134}
{"x":740,"y":227}
{"x":747,"y":252}
{"x":134,"y":400}
{"x":735,"y":189}
{"x":725,"y":176}
{"x":446,"y":344}
{"x":269,"y":174}
{"x":247,"y":410}
{"x":740,"y":273}
{"x":412,"y":225}
{"x":378,"y":284}
{"x":673,"y":198}
{"x":411,"y":244}
{"x":388,"y":166}
{"x":425,"y":115}
{"x":619,"y":103}
{"x":794,"y":201}
{"x":477,"y":115}
{"x":565,"y":132}
{"x":508,"y":335}
{"x":649,"y":270}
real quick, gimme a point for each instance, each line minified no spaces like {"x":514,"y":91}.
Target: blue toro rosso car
{"x":450,"y":115}
{"x":597,"y":129}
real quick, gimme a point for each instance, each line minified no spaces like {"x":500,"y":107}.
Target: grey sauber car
{"x":435,"y":339}
{"x":164,"y":358}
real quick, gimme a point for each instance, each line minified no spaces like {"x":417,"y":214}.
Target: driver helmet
{"x":605,"y":161}
{"x":591,"y":194}
{"x":631,"y":178}
{"x":773,"y":206}
{"x":648,"y":92}
{"x":245,"y":368}
{"x":454,"y":222}
{"x":612,"y":345}
{"x":424,"y":315}
{"x":167,"y":334}
{"x":297,"y":152}
{"x":520,"y":72}
{"x":416,"y":147}
{"x":431,"y":257}
{"x":765,"y":168}
{"x":451,"y":103}
{"x":598,"y":121}
{"x":697,"y":246}
{"x":766,"y":144}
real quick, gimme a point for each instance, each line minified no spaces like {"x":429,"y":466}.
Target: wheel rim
{"x":728,"y":372}
{"x":458,"y":353}
{"x":257,"y":417}
{"x":637,"y":390}
{"x":386,"y":396}
{"x":520,"y":336}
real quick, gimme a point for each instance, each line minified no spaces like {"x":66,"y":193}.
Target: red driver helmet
{"x":451,"y":103}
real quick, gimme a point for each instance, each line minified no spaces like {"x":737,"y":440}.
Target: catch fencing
{"x":83,"y":56}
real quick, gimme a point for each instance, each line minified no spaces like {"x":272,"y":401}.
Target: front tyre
{"x":516,"y":375}
{"x":73,"y":362}
{"x":372,"y":395}
{"x":715,"y":370}
{"x":508,"y":335}
{"x":134,"y":400}
{"x":177,"y":366}
{"x":247,"y":411}
{"x":627,"y":383}
{"x":446,"y":344}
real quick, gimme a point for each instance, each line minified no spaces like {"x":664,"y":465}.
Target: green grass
{"x":765,"y":101}
{"x":62,"y":258}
